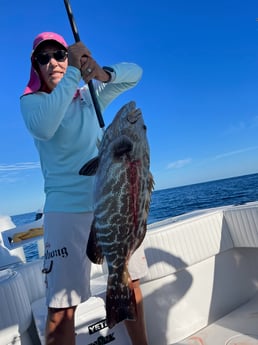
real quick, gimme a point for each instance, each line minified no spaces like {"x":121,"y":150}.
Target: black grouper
{"x":123,"y":186}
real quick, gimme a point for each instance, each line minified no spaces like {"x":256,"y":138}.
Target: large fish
{"x":123,"y":186}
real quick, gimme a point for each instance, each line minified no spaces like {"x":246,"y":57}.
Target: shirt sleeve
{"x":127,"y":75}
{"x":43,"y":112}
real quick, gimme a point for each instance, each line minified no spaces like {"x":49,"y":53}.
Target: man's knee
{"x":136,"y":283}
{"x":59,"y":314}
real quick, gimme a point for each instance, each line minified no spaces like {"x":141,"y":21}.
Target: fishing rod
{"x":90,"y":84}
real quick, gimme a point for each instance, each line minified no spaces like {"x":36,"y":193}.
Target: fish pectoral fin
{"x":122,"y":145}
{"x":94,"y":251}
{"x":90,"y":168}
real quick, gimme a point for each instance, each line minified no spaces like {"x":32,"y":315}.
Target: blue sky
{"x":198,"y":93}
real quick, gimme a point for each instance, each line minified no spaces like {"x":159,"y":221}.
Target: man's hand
{"x":80,"y":57}
{"x":91,"y":70}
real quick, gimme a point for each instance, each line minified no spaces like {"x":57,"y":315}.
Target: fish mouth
{"x":134,"y":115}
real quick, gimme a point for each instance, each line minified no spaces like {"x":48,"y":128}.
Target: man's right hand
{"x":77,"y":55}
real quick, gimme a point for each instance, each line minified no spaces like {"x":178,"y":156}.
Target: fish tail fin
{"x":120,"y":300}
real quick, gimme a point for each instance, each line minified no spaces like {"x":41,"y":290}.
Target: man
{"x":63,"y":123}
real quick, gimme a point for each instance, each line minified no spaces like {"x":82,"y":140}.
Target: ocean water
{"x":172,"y":202}
{"x":175,"y":201}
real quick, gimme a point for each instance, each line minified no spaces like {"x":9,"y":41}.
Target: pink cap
{"x":34,"y":82}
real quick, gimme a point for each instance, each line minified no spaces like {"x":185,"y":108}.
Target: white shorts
{"x":66,"y":265}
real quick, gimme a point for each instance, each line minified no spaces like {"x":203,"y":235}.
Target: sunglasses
{"x":44,"y":58}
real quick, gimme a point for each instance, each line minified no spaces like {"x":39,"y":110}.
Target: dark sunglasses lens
{"x":43,"y":58}
{"x":60,"y":55}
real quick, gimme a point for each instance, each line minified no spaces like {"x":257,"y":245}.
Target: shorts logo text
{"x":56,"y":252}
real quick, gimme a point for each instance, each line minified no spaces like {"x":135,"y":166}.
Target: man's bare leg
{"x":60,"y":326}
{"x":137,"y":329}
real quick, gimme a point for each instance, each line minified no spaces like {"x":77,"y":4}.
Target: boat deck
{"x":240,"y":327}
{"x":237,"y":328}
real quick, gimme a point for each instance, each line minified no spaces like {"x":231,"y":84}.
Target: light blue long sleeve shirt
{"x":66,"y":133}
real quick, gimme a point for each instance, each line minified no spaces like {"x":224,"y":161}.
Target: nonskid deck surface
{"x":240,"y":327}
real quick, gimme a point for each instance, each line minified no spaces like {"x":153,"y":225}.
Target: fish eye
{"x":144,"y":127}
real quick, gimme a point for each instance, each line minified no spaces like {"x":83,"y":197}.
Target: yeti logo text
{"x":97,"y":326}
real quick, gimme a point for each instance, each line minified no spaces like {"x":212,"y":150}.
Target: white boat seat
{"x":175,"y":246}
{"x":32,"y":272}
{"x":15,"y":316}
{"x":197,"y":273}
{"x":243,"y":226}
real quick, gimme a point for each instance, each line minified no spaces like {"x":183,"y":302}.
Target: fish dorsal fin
{"x":90,"y":168}
{"x":122,"y":145}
